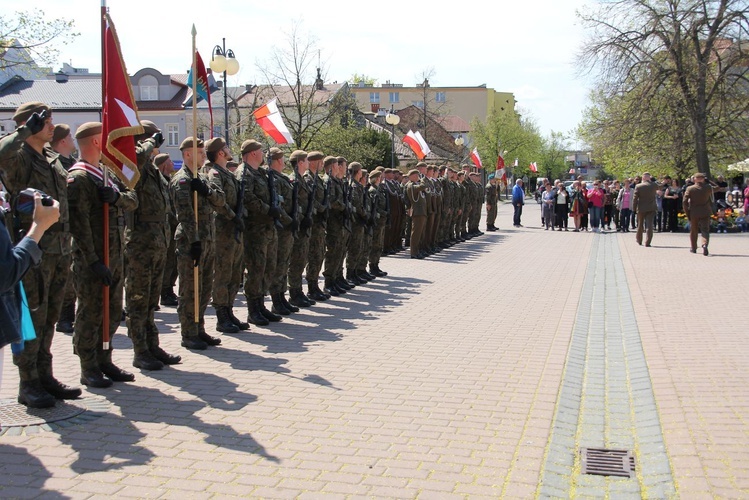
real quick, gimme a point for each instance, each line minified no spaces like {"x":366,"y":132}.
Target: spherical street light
{"x":392,"y":119}
{"x":232,"y":66}
{"x":218,"y":61}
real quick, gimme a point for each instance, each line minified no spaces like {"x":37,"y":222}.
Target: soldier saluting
{"x":26,"y":161}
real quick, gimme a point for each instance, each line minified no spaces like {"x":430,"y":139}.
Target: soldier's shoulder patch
{"x":183,"y":181}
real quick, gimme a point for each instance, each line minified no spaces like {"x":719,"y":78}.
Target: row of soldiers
{"x":254,"y":218}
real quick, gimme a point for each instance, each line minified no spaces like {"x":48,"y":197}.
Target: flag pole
{"x":194,"y":169}
{"x":105,"y":206}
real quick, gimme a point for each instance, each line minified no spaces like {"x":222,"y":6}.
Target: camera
{"x":26,"y":200}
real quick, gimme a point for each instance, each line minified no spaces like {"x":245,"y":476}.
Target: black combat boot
{"x":288,"y":306}
{"x":330,"y":289}
{"x":93,"y":377}
{"x":367,"y":275}
{"x":342,"y":283}
{"x":32,"y":394}
{"x":194,"y":344}
{"x":165,"y":357}
{"x":58,"y":389}
{"x":242,"y":325}
{"x":169,"y":298}
{"x":270,"y":316}
{"x":255,"y":316}
{"x":353,"y":278}
{"x":224,"y":323}
{"x":363,"y":275}
{"x":297,"y":298}
{"x":67,"y":317}
{"x":314,"y":292}
{"x":116,"y":373}
{"x":374,"y":269}
{"x":203,"y":335}
{"x":278,"y":306}
{"x":144,"y":360}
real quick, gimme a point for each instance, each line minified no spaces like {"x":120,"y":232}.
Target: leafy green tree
{"x":365,"y":145}
{"x":37,"y":37}
{"x":516,"y":137}
{"x":690,"y":48}
{"x":356,"y":79}
{"x":552,"y":156}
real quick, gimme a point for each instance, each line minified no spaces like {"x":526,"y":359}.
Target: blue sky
{"x":520,"y":47}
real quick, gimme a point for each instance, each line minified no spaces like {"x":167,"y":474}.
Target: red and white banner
{"x":417,"y":143}
{"x":120,"y":123}
{"x":533,"y":167}
{"x":270,"y":120}
{"x":475,"y":158}
{"x":500,"y":173}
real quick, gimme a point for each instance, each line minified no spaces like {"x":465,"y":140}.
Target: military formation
{"x":215,"y":226}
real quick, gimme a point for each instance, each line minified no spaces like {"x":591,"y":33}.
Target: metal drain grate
{"x":603,"y":462}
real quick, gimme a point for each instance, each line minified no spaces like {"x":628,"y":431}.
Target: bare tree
{"x":295,"y":75}
{"x":28,"y":38}
{"x":691,"y":46}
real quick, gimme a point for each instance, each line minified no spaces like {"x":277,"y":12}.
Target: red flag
{"x":120,"y":122}
{"x":533,"y":167}
{"x":501,"y":174}
{"x":476,"y":158}
{"x":417,"y":143}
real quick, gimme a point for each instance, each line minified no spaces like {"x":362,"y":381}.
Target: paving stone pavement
{"x":440,"y":380}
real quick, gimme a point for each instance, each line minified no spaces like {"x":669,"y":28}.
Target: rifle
{"x":311,"y":199}
{"x":295,"y":198}
{"x":326,"y":197}
{"x":239,"y":210}
{"x":347,"y":202}
{"x":273,"y":197}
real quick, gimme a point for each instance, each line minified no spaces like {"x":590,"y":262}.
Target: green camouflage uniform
{"x":146,"y":241}
{"x":491,"y":195}
{"x":86,"y":226}
{"x":336,"y":237}
{"x":284,"y":192}
{"x":379,"y":196}
{"x":316,"y":252}
{"x":227,"y":273}
{"x":358,"y":226}
{"x":478,"y":201}
{"x":261,"y":240}
{"x":300,"y":250}
{"x":23,"y":167}
{"x":187,"y":233}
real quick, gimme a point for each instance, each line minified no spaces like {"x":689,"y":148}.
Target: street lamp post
{"x":392,"y":119}
{"x":223,"y":61}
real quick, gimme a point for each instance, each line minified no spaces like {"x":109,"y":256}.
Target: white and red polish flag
{"x":533,"y":167}
{"x":417,"y":143}
{"x":500,"y":173}
{"x":475,"y":158}
{"x":270,"y":120}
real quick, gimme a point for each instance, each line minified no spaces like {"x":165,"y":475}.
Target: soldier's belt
{"x":152,"y":218}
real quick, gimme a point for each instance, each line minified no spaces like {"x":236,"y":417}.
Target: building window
{"x":395,"y":97}
{"x":374,"y":98}
{"x":149,"y":88}
{"x":439,"y":97}
{"x":172,"y":135}
{"x":418,"y":104}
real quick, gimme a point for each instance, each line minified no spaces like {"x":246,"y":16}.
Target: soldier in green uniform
{"x":147,"y":237}
{"x":348,"y":221}
{"x":168,"y":298}
{"x":227,"y":275}
{"x":478,"y":201}
{"x":378,"y":195}
{"x":334,"y":242}
{"x":417,"y":206}
{"x":260,"y":237}
{"x":88,"y":191}
{"x":194,"y":243}
{"x":492,"y":197}
{"x":356,"y":241}
{"x":62,"y":143}
{"x":316,"y":252}
{"x":26,"y":161}
{"x":300,"y":250}
{"x":289,"y":222}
